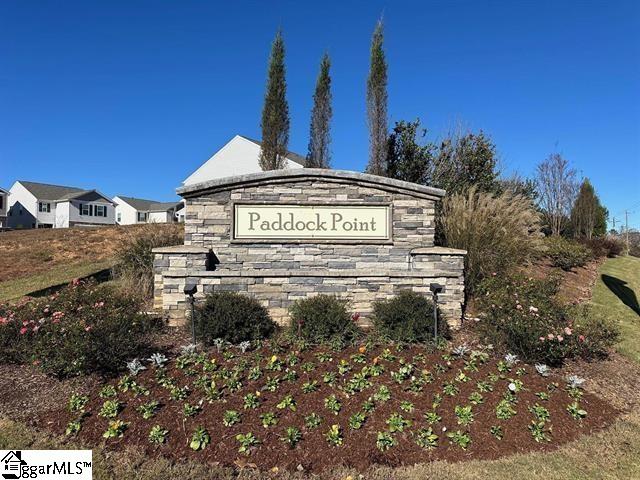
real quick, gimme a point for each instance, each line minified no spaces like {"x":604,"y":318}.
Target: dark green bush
{"x":82,"y":329}
{"x":566,"y":254}
{"x":521,"y":315}
{"x":322,"y":318}
{"x":233,"y":317}
{"x":408,"y":317}
{"x":604,"y":246}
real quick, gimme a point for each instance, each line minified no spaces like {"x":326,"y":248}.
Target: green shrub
{"x":233,"y":317}
{"x":566,"y":254}
{"x":408,"y":317}
{"x":322,"y":318}
{"x":134,"y":260}
{"x":499,"y":233}
{"x":521,"y":315}
{"x":82,"y":329}
{"x":604,"y":246}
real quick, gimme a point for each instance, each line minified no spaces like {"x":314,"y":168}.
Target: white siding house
{"x":4,"y":206}
{"x":137,"y":210}
{"x":238,"y":157}
{"x":41,"y":205}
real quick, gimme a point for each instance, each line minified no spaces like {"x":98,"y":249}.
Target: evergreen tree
{"x":588,"y":216}
{"x":407,"y":159}
{"x":465,"y":160}
{"x":275,"y":113}
{"x":377,"y":105}
{"x":319,"y":155}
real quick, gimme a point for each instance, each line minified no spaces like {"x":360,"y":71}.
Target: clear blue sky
{"x":130,"y":97}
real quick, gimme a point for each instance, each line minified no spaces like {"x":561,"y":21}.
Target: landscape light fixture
{"x":435,"y":288}
{"x":190,"y":289}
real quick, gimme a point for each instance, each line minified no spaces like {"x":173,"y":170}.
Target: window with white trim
{"x":44,"y":207}
{"x":85,"y":209}
{"x":142,"y":216}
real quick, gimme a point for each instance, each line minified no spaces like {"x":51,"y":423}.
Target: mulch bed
{"x":313,"y":452}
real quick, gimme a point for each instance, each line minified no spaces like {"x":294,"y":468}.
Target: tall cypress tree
{"x":587,"y":212}
{"x":275,"y":113}
{"x":319,"y":155}
{"x":377,"y":105}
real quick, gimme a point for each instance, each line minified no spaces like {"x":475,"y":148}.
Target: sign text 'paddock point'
{"x":294,"y":222}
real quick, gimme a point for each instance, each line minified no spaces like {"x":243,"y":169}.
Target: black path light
{"x":190,"y":289}
{"x":435,"y":288}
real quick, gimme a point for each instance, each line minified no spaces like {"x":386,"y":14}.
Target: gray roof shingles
{"x":45,"y":191}
{"x":143,"y":205}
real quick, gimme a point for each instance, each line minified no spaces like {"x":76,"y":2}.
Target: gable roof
{"x":3,"y":190}
{"x":58,"y":193}
{"x":45,"y":191}
{"x":143,"y":205}
{"x":294,"y":157}
{"x":314,"y":174}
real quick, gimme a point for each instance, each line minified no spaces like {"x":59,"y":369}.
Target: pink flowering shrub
{"x":83,"y":328}
{"x":522,"y":316}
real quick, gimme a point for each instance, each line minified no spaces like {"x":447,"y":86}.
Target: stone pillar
{"x":176,"y":261}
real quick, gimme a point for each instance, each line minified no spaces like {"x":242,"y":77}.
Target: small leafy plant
{"x":397,"y":423}
{"x":384,"y":441}
{"x":357,"y":420}
{"x":247,"y":442}
{"x":108,"y":391}
{"x":333,"y":404}
{"x":287,"y":402}
{"x":230,"y":417}
{"x":292,"y":436}
{"x":110,"y":409}
{"x":313,"y":420}
{"x":496,"y":431}
{"x":148,"y":410}
{"x":464,"y":414}
{"x":334,"y":435}
{"x":459,"y":438}
{"x":77,"y":402}
{"x":115,"y":429}
{"x":200,"y":439}
{"x":268,"y":419}
{"x":575,"y":411}
{"x":425,"y":438}
{"x":157,"y":434}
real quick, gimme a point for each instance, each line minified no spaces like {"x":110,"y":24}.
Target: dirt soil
{"x":359,"y":447}
{"x":27,"y":252}
{"x":575,"y":285}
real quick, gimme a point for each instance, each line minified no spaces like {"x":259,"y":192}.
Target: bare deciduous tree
{"x":557,"y":187}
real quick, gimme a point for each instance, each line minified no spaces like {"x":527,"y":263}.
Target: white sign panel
{"x":46,"y":464}
{"x":295,"y":222}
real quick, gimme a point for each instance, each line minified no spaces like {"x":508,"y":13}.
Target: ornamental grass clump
{"x":499,"y":233}
{"x":134,"y":267}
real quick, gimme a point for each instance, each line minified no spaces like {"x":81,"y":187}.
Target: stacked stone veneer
{"x":277,"y":273}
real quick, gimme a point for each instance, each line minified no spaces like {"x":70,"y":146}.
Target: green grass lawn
{"x":616,"y":295}
{"x":15,"y":289}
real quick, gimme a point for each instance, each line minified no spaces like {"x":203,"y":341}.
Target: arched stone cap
{"x":310,"y":174}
